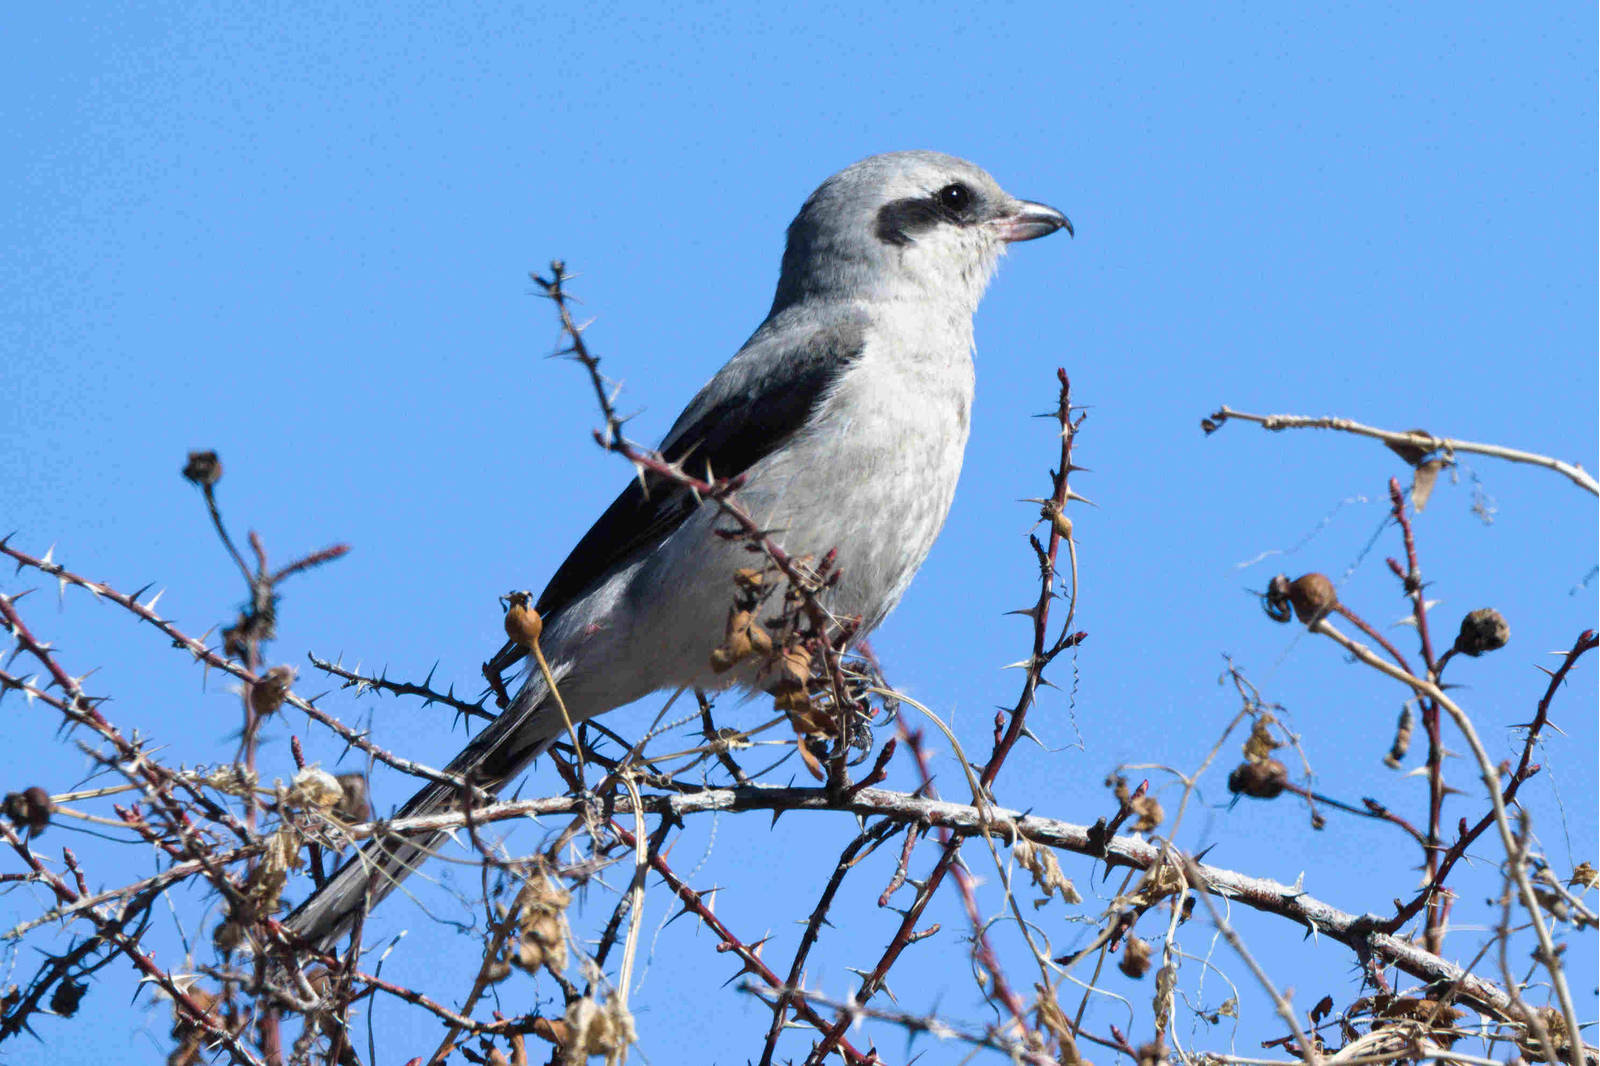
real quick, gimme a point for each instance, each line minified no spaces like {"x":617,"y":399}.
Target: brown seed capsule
{"x":523,"y":624}
{"x":1312,"y":596}
{"x":1482,"y":630}
{"x":29,"y":809}
{"x":268,"y":693}
{"x":1135,"y":958}
{"x":1150,"y":813}
{"x":1262,"y":780}
{"x":203,"y":468}
{"x":1402,"y":740}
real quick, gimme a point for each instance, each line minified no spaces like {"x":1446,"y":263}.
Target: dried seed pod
{"x":1402,"y":740}
{"x":1482,"y":630}
{"x":269,"y":692}
{"x":203,"y":468}
{"x":264,"y":887}
{"x":523,"y":624}
{"x":1261,"y":743}
{"x":749,"y":578}
{"x":1313,"y":596}
{"x":1041,"y":862}
{"x":1135,"y":960}
{"x":1150,"y":813}
{"x":593,"y":1029}
{"x":29,"y":809}
{"x":314,"y":787}
{"x":541,"y":925}
{"x":1262,"y":780}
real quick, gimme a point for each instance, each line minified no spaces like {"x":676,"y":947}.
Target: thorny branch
{"x":222,"y":831}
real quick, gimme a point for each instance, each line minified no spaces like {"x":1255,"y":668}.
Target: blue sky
{"x":301,"y":237}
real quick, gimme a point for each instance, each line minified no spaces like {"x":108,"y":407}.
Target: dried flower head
{"x":596,"y":1029}
{"x":1041,"y":862}
{"x":541,"y":941}
{"x":314,"y":787}
{"x":203,"y":468}
{"x":1260,"y":745}
{"x":1262,"y":779}
{"x":269,"y":692}
{"x":1485,"y":629}
{"x":1135,"y":961}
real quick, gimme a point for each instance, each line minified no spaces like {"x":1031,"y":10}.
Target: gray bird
{"x":846,"y":413}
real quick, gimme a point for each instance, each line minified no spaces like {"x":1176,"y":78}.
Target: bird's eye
{"x":955,"y":197}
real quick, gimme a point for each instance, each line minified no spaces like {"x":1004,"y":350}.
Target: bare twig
{"x":1417,"y":439}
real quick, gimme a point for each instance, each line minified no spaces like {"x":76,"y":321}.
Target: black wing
{"x":758,"y":401}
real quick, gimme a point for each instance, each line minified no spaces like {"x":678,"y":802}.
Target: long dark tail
{"x":495,"y":756}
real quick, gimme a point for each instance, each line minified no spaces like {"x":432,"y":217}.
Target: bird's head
{"x":906,"y":226}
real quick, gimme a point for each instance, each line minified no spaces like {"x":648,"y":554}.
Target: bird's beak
{"x":1028,"y":220}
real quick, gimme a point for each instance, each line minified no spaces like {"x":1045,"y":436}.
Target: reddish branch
{"x":210,"y":658}
{"x":1524,"y":769}
{"x":1043,"y":652}
{"x":110,"y":930}
{"x":1411,"y":578}
{"x":749,"y":955}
